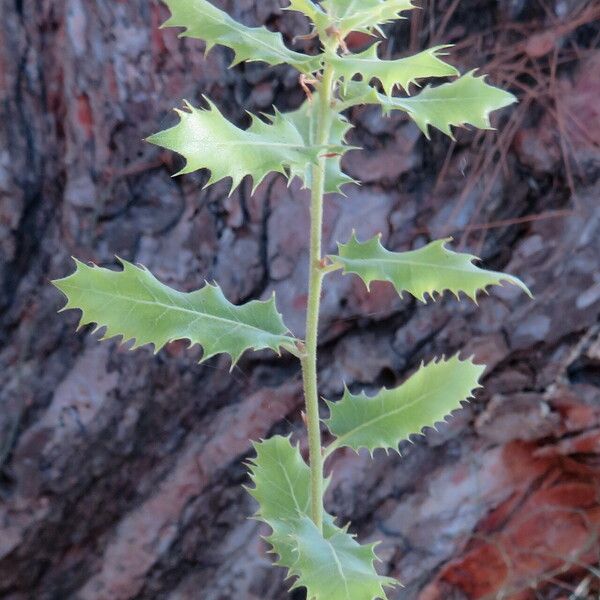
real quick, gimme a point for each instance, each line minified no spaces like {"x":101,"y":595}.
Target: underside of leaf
{"x":281,"y":481}
{"x":393,"y":73}
{"x":384,"y":420}
{"x":207,"y":140}
{"x":133,"y":304}
{"x":423,"y":272}
{"x":202,"y":20}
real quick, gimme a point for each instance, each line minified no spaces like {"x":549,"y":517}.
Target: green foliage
{"x":279,"y":466}
{"x":202,"y":20}
{"x":309,"y":143}
{"x":421,"y":272}
{"x":208,"y":140}
{"x":313,"y":11}
{"x":468,"y":100}
{"x":305,"y":122}
{"x":365,"y":15}
{"x":426,"y":398}
{"x":133,"y":304}
{"x":336,"y":566}
{"x":281,"y":481}
{"x":393,"y":73}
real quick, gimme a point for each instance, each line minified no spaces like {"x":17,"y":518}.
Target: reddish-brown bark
{"x":121,"y":472}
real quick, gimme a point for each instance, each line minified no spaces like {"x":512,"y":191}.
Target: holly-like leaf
{"x":133,"y":304}
{"x":305,"y":123}
{"x":207,"y":140}
{"x":433,"y":268}
{"x":392,"y":73}
{"x":281,"y":481}
{"x":200,"y":19}
{"x":311,"y":10}
{"x":365,"y":15}
{"x":468,"y":100}
{"x":335,"y":567}
{"x":384,"y":420}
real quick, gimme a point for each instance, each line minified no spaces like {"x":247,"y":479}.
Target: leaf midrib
{"x":419,"y":98}
{"x":339,"y":567}
{"x":259,"y":143}
{"x":248,"y":32}
{"x":398,"y":410}
{"x":474,"y":270}
{"x":399,"y":62}
{"x":175,"y":308}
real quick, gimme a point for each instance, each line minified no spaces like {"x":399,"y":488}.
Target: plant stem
{"x":316,"y":274}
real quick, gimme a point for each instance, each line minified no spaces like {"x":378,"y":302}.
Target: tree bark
{"x":121,"y":472}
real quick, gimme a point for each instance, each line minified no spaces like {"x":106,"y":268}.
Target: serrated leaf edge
{"x":502,"y":277}
{"x":380,"y":445}
{"x":289,"y":345}
{"x":302,"y":62}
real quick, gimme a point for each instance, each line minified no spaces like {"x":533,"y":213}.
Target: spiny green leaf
{"x":281,"y":481}
{"x":365,"y":15}
{"x":335,"y":567}
{"x":392,"y":73}
{"x":468,"y":100}
{"x":427,"y":270}
{"x":391,"y":416}
{"x":200,"y":19}
{"x":133,"y":304}
{"x":305,"y":123}
{"x":313,"y":11}
{"x":356,"y":93}
{"x":207,"y":140}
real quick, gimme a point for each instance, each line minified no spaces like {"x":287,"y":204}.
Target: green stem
{"x":309,"y":361}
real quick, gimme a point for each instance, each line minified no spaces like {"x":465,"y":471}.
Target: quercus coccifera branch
{"x":308,"y":144}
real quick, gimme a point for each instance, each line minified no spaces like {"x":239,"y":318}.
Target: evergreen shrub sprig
{"x":309,"y":143}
